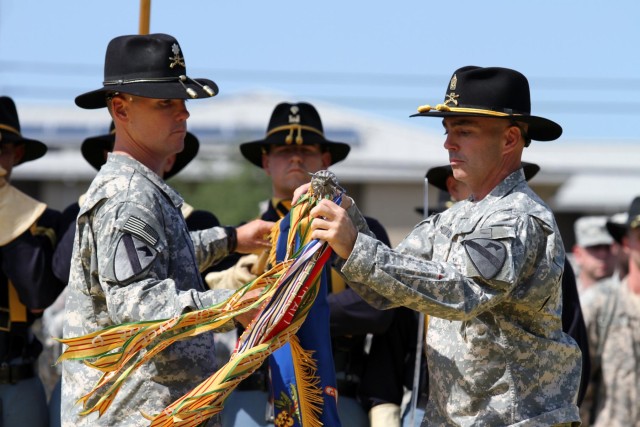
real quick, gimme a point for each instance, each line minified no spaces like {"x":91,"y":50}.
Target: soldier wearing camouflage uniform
{"x":592,"y":252}
{"x":133,"y":257}
{"x":487,"y":271}
{"x":612,"y":314}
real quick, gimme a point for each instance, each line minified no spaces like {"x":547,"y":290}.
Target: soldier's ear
{"x":512,"y":137}
{"x":118,"y":108}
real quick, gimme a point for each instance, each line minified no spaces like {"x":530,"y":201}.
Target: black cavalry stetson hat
{"x":617,"y":226}
{"x":93,"y":150}
{"x":151,"y":66}
{"x":492,"y":92}
{"x":437,"y":176}
{"x":619,"y":230}
{"x":10,"y":131}
{"x":633,"y":221}
{"x":294,"y":124}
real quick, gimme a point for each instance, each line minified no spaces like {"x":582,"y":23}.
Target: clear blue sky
{"x":387,"y":58}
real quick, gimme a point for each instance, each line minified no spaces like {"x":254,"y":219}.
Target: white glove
{"x":234,"y":277}
{"x":385,"y":415}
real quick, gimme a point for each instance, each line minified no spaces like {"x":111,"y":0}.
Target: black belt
{"x":11,"y":374}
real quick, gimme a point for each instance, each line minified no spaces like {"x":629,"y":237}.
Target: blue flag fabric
{"x":314,"y":336}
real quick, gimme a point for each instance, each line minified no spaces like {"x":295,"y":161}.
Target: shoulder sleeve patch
{"x":132,"y":257}
{"x":486,"y":255}
{"x":141,"y":230}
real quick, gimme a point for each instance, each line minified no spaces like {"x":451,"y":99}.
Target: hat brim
{"x":160,"y":90}
{"x":183,"y":158}
{"x":252,"y":150}
{"x":530,"y":170}
{"x":33,"y":149}
{"x":93,"y":150}
{"x":540,"y":129}
{"x":617,"y":231}
{"x":437,"y":176}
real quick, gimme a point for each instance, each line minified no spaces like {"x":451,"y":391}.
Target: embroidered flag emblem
{"x":141,"y":229}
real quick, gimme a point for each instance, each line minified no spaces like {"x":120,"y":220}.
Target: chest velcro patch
{"x":486,"y":255}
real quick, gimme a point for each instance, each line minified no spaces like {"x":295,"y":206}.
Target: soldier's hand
{"x":245,"y":318}
{"x":253,"y":237}
{"x":235,"y":276}
{"x":299,"y":192}
{"x":332,"y":224}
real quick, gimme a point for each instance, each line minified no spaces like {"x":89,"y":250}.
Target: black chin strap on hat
{"x":181,"y":79}
{"x":289,"y":138}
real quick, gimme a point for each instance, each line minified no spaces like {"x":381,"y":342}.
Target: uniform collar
{"x":123,"y":159}
{"x":281,"y":206}
{"x":507,"y":185}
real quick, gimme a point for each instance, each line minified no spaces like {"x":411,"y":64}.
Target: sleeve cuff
{"x":362,"y":258}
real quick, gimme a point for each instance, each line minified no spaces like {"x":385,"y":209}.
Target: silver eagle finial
{"x":325,"y":184}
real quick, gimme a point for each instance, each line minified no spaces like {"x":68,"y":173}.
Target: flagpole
{"x":415,"y":392}
{"x":145,"y":15}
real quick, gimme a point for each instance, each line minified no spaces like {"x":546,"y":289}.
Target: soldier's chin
{"x":295,"y":183}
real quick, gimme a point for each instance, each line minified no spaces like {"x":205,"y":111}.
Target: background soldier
{"x":27,"y":283}
{"x":612,"y":314}
{"x":592,"y":253}
{"x":294,"y":147}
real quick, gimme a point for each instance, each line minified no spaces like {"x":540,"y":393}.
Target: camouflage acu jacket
{"x":134,"y":260}
{"x":612,"y":315}
{"x":488,"y":274}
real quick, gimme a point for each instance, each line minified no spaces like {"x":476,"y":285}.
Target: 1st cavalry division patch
{"x":487,"y":255}
{"x":135,"y":250}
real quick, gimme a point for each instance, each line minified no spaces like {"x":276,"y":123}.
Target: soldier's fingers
{"x":300,"y":191}
{"x":326,"y":209}
{"x":320,"y":223}
{"x":321,"y":234}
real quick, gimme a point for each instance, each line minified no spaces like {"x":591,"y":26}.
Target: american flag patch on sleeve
{"x":141,"y":229}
